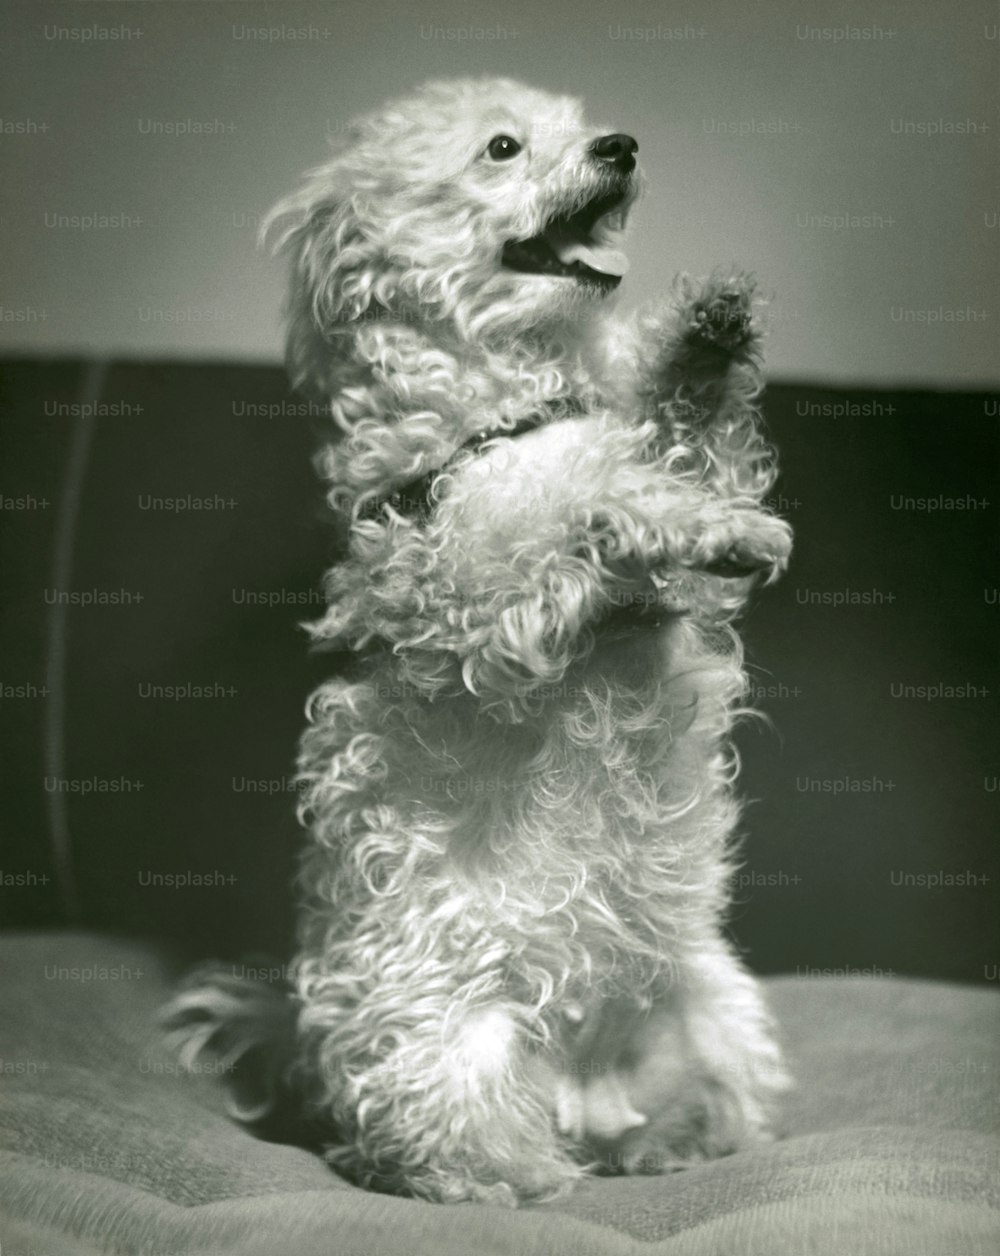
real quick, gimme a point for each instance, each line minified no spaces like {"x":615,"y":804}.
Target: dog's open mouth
{"x":581,"y":245}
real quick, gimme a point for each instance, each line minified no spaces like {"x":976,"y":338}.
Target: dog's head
{"x":485,"y":205}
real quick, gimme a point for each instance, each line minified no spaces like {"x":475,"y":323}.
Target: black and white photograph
{"x":500,"y":587}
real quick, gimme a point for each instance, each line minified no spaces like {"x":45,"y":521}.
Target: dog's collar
{"x":414,"y":498}
{"x":626,"y":618}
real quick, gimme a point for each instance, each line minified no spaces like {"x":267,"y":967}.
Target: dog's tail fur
{"x":244,"y":1030}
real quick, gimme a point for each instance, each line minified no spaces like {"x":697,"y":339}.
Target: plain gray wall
{"x":870,"y":110}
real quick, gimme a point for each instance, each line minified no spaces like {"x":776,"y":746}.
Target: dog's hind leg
{"x":703,"y":1068}
{"x":458,"y":1109}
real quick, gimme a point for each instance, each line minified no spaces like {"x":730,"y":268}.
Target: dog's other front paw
{"x":753,"y":543}
{"x":720,"y":316}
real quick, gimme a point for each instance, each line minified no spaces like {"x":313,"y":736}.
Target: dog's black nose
{"x":617,"y":150}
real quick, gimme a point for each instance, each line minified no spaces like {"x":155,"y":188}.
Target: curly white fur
{"x":511,"y":962}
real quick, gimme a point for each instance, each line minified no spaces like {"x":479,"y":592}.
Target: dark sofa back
{"x":183,"y":524}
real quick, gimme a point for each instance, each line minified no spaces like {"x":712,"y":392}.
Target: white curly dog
{"x":511,"y":964}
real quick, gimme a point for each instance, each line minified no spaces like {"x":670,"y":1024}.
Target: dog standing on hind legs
{"x":511,"y":964}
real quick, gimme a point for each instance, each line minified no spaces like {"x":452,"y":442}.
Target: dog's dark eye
{"x":503,"y":147}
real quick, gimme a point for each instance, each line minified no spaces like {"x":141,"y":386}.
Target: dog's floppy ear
{"x":334,"y":276}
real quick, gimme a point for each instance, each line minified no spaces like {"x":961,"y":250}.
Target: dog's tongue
{"x":601,"y":257}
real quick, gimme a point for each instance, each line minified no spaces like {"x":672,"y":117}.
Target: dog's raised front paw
{"x":721,"y":315}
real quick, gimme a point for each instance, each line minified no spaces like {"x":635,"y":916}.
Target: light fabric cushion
{"x":890,"y":1139}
